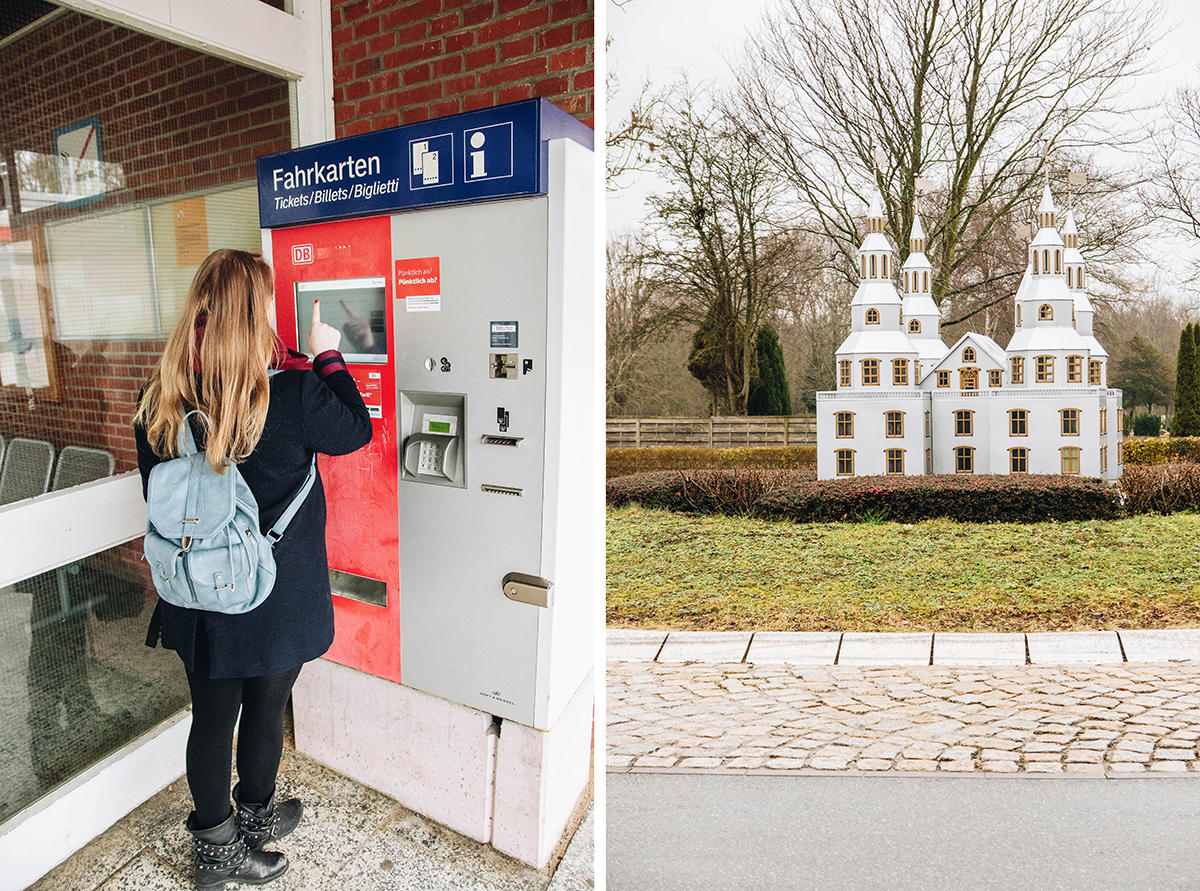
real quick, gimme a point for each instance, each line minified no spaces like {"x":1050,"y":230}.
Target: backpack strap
{"x":276,"y":532}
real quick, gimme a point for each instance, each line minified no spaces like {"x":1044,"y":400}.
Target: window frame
{"x":1023,"y":421}
{"x":1045,"y":313}
{"x":1076,"y":458}
{"x":964,"y":459}
{"x":893,"y":427}
{"x":844,"y":371}
{"x":840,"y":424}
{"x":892,"y":457}
{"x":1044,"y":369}
{"x":841,"y":457}
{"x":943,"y":379}
{"x":874,"y":366}
{"x":899,"y":372}
{"x":1017,"y":370}
{"x":995,"y":377}
{"x":872,"y":316}
{"x":1070,"y":425}
{"x":964,"y":422}
{"x":1013,"y":458}
{"x":1074,"y":369}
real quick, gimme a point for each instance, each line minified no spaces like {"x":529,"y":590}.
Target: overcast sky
{"x":656,"y":39}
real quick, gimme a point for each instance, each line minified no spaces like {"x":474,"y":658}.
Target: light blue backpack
{"x":203,"y":542}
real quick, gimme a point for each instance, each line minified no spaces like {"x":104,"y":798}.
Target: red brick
{"x":447,"y":66}
{"x":575,"y":58}
{"x":412,"y":115}
{"x":477,"y":14}
{"x":417,"y":75}
{"x":386,"y":83}
{"x":522,"y":46}
{"x":568,"y":9}
{"x":410,"y":54}
{"x":384,"y":121}
{"x":507,"y":6}
{"x":586,"y":29}
{"x":383,"y":42}
{"x":443,"y":109}
{"x":444,"y":23}
{"x":481,"y":58}
{"x":514,"y":94}
{"x":415,"y":96}
{"x":358,"y":90}
{"x":371,"y":106}
{"x":412,"y":12}
{"x":550,"y":86}
{"x":354,"y":52}
{"x":462,"y":40}
{"x":412,"y":34}
{"x":358,"y":127}
{"x":366,"y":68}
{"x":584,"y":80}
{"x":525,"y":21}
{"x":525,"y":70}
{"x":460,"y":84}
{"x":367,"y":27}
{"x":554,"y":37}
{"x":479,"y":100}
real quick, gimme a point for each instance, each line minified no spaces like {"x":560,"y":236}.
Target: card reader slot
{"x":495,"y":439}
{"x":501,"y":490}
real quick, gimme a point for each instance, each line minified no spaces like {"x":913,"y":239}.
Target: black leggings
{"x":215,"y":704}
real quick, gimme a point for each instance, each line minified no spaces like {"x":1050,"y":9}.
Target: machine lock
{"x":527,"y":589}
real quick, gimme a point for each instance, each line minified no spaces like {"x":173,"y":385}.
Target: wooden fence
{"x":713,"y":433}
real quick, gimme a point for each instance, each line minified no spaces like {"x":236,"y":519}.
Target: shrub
{"x":1147,"y":425}
{"x":621,"y":462}
{"x":1162,"y":450}
{"x":1161,"y":488}
{"x":799,"y":496}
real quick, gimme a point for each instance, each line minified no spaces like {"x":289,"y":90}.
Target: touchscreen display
{"x":355,"y":306}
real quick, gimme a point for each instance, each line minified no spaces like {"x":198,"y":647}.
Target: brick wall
{"x":399,"y":61}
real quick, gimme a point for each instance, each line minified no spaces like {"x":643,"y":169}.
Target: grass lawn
{"x":717,"y":573}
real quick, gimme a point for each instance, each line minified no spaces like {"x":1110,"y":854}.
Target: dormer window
{"x":968,"y":354}
{"x":1046,"y":312}
{"x":872,"y":316}
{"x":914,"y":326}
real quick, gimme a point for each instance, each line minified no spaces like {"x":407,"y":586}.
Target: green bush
{"x":1147,"y":425}
{"x":799,"y":496}
{"x":622,"y":462}
{"x":1161,"y":488}
{"x":1162,"y":450}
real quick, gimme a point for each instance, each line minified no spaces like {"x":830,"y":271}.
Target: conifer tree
{"x":769,"y":394}
{"x":1187,"y":389}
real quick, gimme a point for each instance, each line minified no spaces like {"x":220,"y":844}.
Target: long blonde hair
{"x":225,"y":374}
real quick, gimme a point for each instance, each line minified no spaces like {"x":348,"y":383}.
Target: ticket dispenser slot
{"x":432,"y":438}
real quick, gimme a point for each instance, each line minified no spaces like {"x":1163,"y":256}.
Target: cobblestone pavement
{"x":1097,"y":720}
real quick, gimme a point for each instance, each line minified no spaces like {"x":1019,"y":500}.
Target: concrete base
{"x":445,"y":761}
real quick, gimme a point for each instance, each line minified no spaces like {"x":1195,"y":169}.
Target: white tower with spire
{"x":1040,"y":406}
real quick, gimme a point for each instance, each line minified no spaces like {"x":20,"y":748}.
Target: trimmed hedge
{"x":1162,"y":450}
{"x":800,"y":497}
{"x":622,"y":462}
{"x":1161,"y":488}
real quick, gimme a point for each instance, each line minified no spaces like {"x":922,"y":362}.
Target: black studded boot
{"x":223,"y":856}
{"x":261,"y":823}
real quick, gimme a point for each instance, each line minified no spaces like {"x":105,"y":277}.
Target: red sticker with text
{"x":419,"y":284}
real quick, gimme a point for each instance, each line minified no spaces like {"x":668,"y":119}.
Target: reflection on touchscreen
{"x":357,"y":331}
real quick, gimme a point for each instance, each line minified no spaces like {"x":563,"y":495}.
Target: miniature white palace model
{"x":907,"y":405}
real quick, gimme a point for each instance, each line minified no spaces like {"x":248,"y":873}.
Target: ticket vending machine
{"x":456,"y":257}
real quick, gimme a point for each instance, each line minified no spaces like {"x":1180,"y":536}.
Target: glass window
{"x":1074,"y":369}
{"x":1018,"y":315}
{"x":1070,"y":421}
{"x":895,"y":461}
{"x":1046,"y":312}
{"x":1018,"y":460}
{"x":872,"y":316}
{"x":914,"y":326}
{"x":968,"y":379}
{"x":1094,"y":372}
{"x":863,"y":258}
{"x":1104,"y":459}
{"x":1045,"y":369}
{"x":925,"y":281}
{"x":894,"y":423}
{"x":843,"y":372}
{"x":874,"y":266}
{"x":1070,"y":277}
{"x":870,"y":372}
{"x":963,"y":423}
{"x":845,"y":462}
{"x":845,"y":425}
{"x":994,"y":377}
{"x":1018,"y":420}
{"x":885,"y":266}
{"x":1103,"y":421}
{"x":1058,"y":262}
{"x":1070,"y":459}
{"x":899,"y":372}
{"x":1018,"y":370}
{"x":1036,"y":268}
{"x":964,"y":460}
{"x":943,"y":378}
{"x":968,"y":354}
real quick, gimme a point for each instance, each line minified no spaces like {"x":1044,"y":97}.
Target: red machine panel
{"x":338,"y":262}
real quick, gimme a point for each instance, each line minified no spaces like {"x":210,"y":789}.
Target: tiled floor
{"x":351,"y":838}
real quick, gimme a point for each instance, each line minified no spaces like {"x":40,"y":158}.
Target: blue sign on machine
{"x":486,"y":154}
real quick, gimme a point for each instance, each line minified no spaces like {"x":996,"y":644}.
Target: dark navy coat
{"x":308,"y":412}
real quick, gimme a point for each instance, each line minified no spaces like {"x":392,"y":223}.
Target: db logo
{"x":302,"y":254}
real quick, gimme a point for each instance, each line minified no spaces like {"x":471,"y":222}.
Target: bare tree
{"x":637,"y":321}
{"x":1176,"y":189}
{"x":970,"y":95}
{"x":719,"y":244}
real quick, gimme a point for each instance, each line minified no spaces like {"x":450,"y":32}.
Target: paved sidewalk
{"x":352,"y":838}
{"x":1139,"y":717}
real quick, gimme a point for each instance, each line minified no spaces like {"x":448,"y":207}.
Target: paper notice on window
{"x":419,"y":284}
{"x":191,"y":231}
